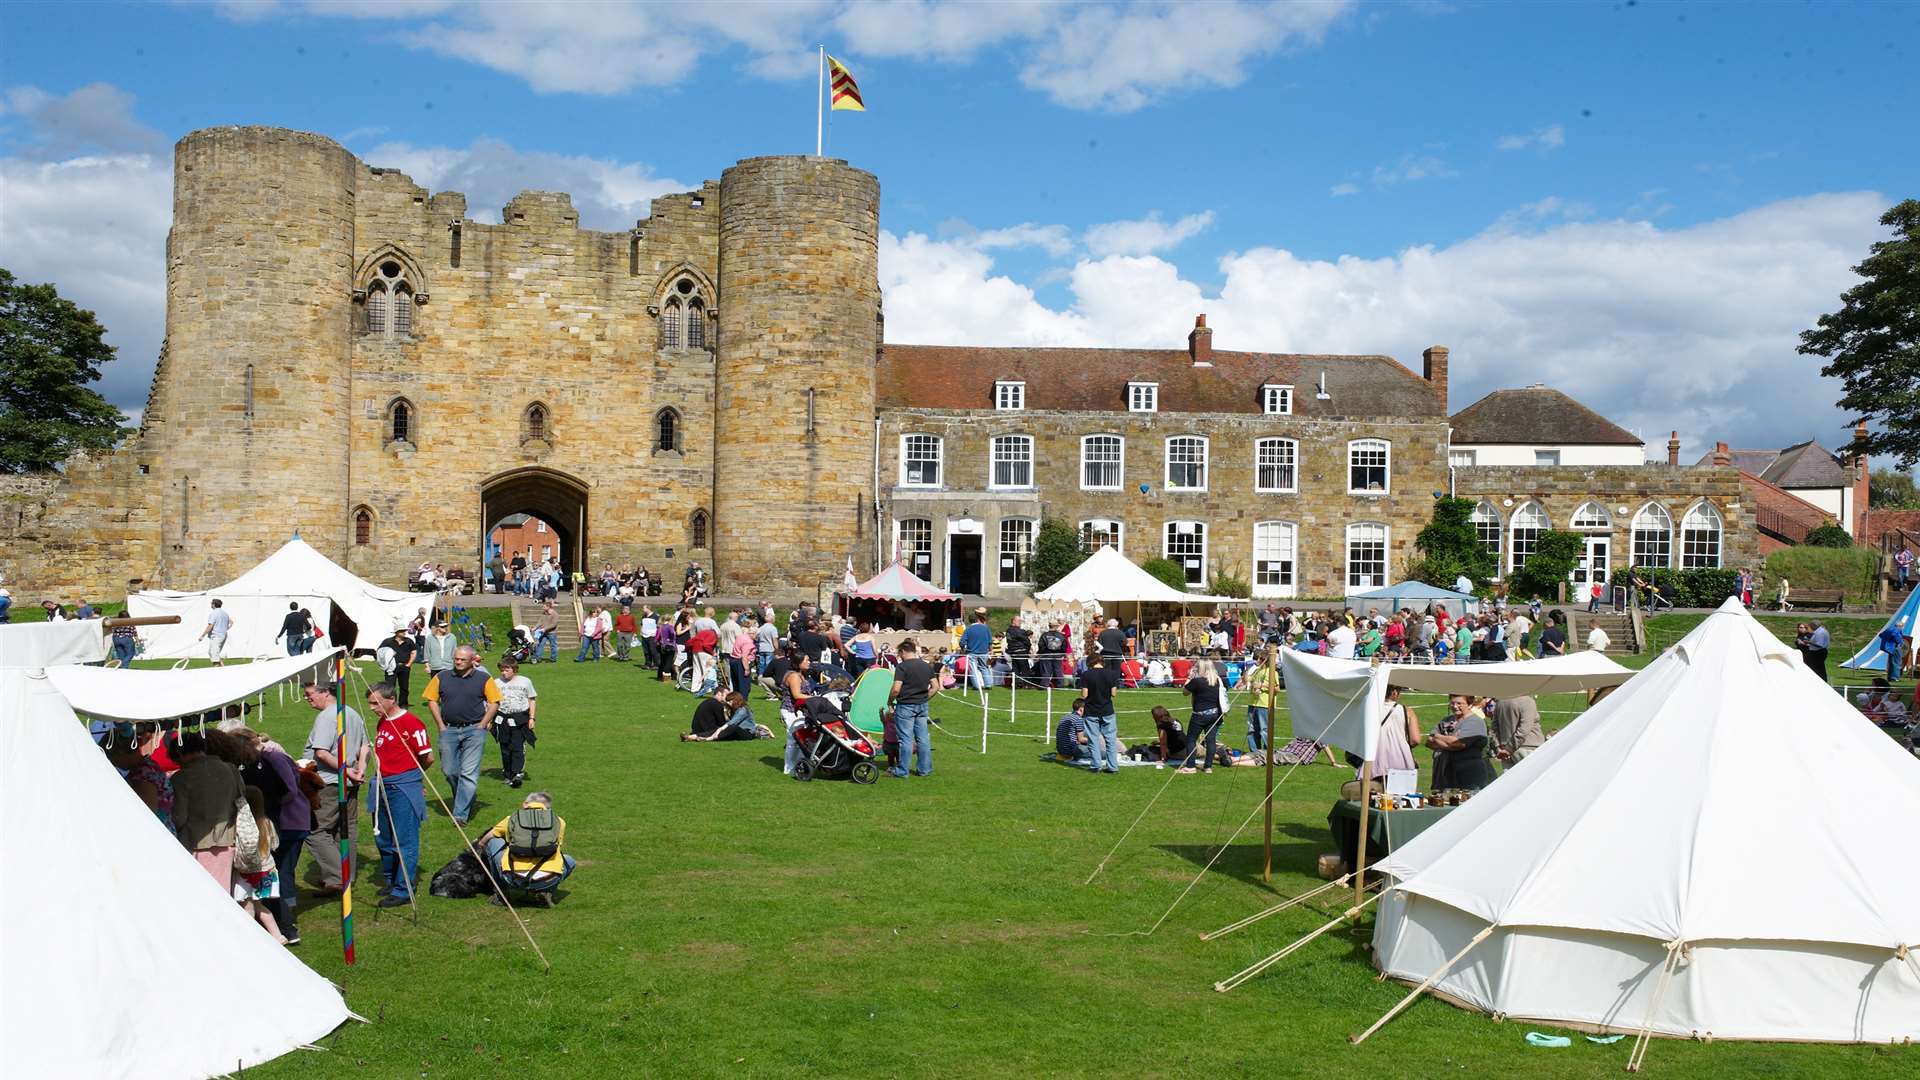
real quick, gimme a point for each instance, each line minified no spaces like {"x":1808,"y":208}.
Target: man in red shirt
{"x":628,"y":629}
{"x":397,"y":802}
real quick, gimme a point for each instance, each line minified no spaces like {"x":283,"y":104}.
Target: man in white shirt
{"x":1340,"y":641}
{"x":219,"y":625}
{"x":1597,"y":640}
{"x":649,"y":626}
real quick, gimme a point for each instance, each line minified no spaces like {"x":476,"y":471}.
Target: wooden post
{"x":1266,"y":872}
{"x":1360,"y":851}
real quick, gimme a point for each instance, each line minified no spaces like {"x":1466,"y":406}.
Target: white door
{"x":1273,"y":560}
{"x":1596,"y":563}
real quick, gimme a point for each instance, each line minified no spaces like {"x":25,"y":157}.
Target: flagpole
{"x":820,"y":109}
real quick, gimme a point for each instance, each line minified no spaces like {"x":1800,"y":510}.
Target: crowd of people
{"x":545,"y":580}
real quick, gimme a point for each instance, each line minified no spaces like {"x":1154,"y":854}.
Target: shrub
{"x":1853,"y":570}
{"x":1554,"y":556}
{"x":1829,"y":536}
{"x":1449,"y":546}
{"x":1056,"y":553}
{"x":1701,"y":587}
{"x":1224,"y":583}
{"x":1168,"y":571}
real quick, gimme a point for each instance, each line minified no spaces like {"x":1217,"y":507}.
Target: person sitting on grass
{"x":722,"y":717}
{"x":1070,"y":735}
{"x":1170,"y":742}
{"x":523,"y":851}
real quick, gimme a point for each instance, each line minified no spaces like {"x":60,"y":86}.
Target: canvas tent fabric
{"x":1412,"y":594}
{"x":1108,"y":577}
{"x":136,"y":695}
{"x":1721,"y":802}
{"x":46,"y":644}
{"x":1351,"y":695}
{"x":122,"y":957}
{"x":1872,"y":658}
{"x":896,"y":582}
{"x":257,"y":601}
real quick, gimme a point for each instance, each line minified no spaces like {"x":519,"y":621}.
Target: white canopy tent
{"x":1697,"y":854}
{"x":257,"y":602}
{"x":136,"y":695}
{"x":1108,"y":577}
{"x":1347,"y":699}
{"x":44,"y":644}
{"x":120,"y":954}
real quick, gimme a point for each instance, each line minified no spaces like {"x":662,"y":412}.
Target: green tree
{"x":1829,"y":536}
{"x":1056,"y":553}
{"x":1168,"y":571}
{"x":1872,"y":344}
{"x":1449,"y":546}
{"x":1890,"y":489}
{"x":1555,"y":554}
{"x":49,"y":351}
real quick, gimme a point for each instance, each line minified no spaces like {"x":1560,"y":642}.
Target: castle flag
{"x":846,"y":93}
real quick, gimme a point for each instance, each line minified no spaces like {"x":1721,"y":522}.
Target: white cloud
{"x":1551,"y":137}
{"x":1691,"y":328}
{"x":609,"y":194}
{"x":1113,"y":56}
{"x":95,"y":119}
{"x":1411,"y":168}
{"x":1145,"y":236}
{"x":1342,"y":190}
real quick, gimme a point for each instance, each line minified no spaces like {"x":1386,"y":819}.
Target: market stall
{"x":894,"y":599}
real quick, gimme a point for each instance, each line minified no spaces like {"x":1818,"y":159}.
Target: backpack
{"x":1052,"y":643}
{"x":532,"y":833}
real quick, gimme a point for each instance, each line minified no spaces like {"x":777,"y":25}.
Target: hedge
{"x":1703,"y":587}
{"x":1854,"y":571}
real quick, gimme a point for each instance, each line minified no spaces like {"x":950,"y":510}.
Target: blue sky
{"x":1638,"y":203}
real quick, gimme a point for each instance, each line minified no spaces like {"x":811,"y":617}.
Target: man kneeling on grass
{"x":722,"y":716}
{"x":523,"y":851}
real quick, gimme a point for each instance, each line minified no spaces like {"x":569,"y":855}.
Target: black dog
{"x":461,"y":879}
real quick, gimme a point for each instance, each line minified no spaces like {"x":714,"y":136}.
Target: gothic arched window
{"x":697,"y":529}
{"x":362,"y":526}
{"x":684,"y":311}
{"x":666,"y":430}
{"x":389,"y":300}
{"x":536,"y":424}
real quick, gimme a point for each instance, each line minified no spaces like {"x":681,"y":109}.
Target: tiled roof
{"x":962,"y":377}
{"x":1802,"y":465}
{"x":1536,"y":414}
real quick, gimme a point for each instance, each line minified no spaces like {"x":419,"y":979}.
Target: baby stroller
{"x":519,"y":646}
{"x":830,"y":747}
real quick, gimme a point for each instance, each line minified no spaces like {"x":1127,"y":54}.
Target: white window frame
{"x":1143,"y":397}
{"x":1118,"y":532}
{"x":1120,"y":481}
{"x":939,"y":459}
{"x":1688,"y":560}
{"x":1009,"y":395}
{"x":1481,"y":522}
{"x":1552,"y":456}
{"x":906,"y":549}
{"x":539,"y":526}
{"x":1382,"y":446}
{"x":993,"y":462}
{"x":1604,"y":523}
{"x":1166,"y":476}
{"x":1386,"y":554}
{"x":1515,"y":557}
{"x":1023,"y":562}
{"x":1192,"y":528}
{"x":1279,"y":590}
{"x":1276,"y":399}
{"x":1657,"y":523}
{"x":1292,"y":487}
{"x":1462,"y":459}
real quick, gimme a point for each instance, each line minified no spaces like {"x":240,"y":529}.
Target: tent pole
{"x":1360,"y":852}
{"x":1242,"y":976}
{"x":346,"y":807}
{"x":1422,"y":988}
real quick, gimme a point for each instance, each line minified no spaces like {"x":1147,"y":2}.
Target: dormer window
{"x":1143,"y":397}
{"x":1009,"y":396}
{"x":1276,"y":400}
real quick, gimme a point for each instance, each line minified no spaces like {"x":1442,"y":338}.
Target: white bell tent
{"x":1714,"y":850}
{"x":1108,"y":577}
{"x":119,"y":956}
{"x":257,"y":602}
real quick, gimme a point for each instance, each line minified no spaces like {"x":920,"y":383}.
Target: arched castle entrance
{"x":554,"y":497}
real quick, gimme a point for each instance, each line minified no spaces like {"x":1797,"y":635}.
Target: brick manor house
{"x":350,"y":356}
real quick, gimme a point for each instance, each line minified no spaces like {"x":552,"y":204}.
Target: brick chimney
{"x":1434,"y":369}
{"x":1862,"y":484}
{"x":1200,"y":343}
{"x":1673,"y":449}
{"x":1721,"y":456}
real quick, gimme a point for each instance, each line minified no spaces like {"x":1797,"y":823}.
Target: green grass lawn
{"x":726,"y":920}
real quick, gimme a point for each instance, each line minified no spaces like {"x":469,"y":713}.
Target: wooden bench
{"x":1824,"y":599}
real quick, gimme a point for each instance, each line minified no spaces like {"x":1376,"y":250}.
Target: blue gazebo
{"x":1412,"y":594}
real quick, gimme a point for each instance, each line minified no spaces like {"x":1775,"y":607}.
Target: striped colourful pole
{"x":346,"y":832}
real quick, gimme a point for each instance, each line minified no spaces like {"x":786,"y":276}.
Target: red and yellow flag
{"x":846,"y":93}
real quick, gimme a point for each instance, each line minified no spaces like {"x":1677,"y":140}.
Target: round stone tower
{"x":799,"y":335}
{"x":253,"y":392}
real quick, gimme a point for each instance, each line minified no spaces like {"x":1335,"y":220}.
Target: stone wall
{"x":82,"y":534}
{"x":1622,"y":490}
{"x":1319,"y":508}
